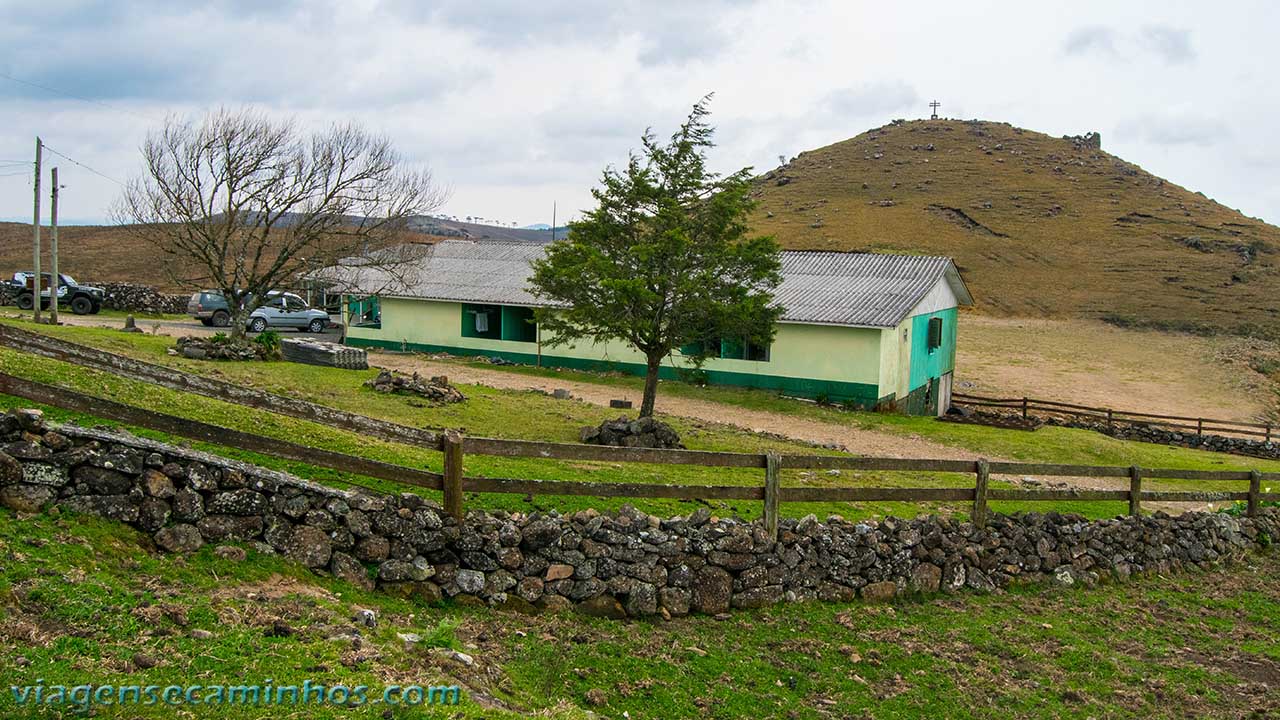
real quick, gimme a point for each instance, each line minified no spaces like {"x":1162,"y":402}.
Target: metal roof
{"x":830,"y":288}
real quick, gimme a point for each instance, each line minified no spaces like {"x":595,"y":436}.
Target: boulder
{"x":309,"y":546}
{"x":181,"y":538}
{"x":712,"y":590}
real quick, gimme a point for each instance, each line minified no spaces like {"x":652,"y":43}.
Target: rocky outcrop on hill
{"x":613,"y":565}
{"x":642,"y":432}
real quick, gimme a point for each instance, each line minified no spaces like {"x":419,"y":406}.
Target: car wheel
{"x":258,"y":324}
{"x":81,"y":305}
{"x":316,"y":326}
{"x":220,"y":319}
{"x":25,"y":302}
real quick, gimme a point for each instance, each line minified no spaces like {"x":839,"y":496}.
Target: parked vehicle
{"x":287,"y":310}
{"x":82,"y":299}
{"x":210,"y":308}
{"x":281,"y":310}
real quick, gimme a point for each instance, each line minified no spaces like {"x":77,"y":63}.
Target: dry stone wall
{"x":617,"y":565}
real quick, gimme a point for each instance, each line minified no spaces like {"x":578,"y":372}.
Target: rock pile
{"x":436,"y":389}
{"x":642,"y":432}
{"x":624,"y":564}
{"x":219,"y":348}
{"x":132,"y":297}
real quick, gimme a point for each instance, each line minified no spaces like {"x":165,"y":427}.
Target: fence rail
{"x":454,"y":483}
{"x":1198,"y":425}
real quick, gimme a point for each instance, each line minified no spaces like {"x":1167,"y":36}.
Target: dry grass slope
{"x":1040,"y":226}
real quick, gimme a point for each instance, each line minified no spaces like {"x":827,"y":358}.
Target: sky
{"x":516,"y":105}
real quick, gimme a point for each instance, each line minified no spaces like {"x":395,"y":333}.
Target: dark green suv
{"x":210,"y":308}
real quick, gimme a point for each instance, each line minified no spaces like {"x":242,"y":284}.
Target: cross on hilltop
{"x":935,"y":105}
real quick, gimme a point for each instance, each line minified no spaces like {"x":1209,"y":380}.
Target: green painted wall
{"x":841,"y":363}
{"x":929,"y":364}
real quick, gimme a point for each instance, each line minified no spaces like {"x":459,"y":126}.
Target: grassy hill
{"x":1040,"y":226}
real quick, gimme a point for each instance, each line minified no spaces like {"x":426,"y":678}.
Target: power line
{"x":86,"y":167}
{"x":56,"y":91}
{"x":15,"y":174}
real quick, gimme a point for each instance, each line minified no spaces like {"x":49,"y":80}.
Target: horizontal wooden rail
{"x":166,"y":377}
{"x":604,"y":453}
{"x":1198,"y":425}
{"x":454,"y":483}
{"x":608,"y":489}
{"x":193,"y":430}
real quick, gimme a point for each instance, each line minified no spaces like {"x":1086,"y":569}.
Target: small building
{"x":864,"y":329}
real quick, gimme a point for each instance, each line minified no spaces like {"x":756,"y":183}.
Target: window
{"x":518,"y":324}
{"x":365,"y":313}
{"x":935,"y":333}
{"x":728,"y":349}
{"x":499,"y":322}
{"x":293,"y":302}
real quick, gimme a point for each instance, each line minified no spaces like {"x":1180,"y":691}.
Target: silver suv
{"x":286,"y":310}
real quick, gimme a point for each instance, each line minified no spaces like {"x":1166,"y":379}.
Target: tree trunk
{"x":650,"y":386}
{"x":237,"y":327}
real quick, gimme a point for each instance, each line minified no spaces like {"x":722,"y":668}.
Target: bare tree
{"x":244,"y":204}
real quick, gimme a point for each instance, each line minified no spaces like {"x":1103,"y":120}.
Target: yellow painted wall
{"x":821,"y":352}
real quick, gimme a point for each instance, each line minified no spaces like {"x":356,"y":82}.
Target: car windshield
{"x":69,"y":280}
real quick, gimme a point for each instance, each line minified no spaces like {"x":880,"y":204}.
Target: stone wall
{"x":127,"y":297}
{"x":616,"y":565}
{"x":1141,"y":432}
{"x":132,"y":297}
{"x":1165,"y":436}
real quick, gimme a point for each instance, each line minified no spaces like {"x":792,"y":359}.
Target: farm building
{"x":866,"y":329}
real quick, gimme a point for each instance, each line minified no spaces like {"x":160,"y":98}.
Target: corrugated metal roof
{"x":835,"y":288}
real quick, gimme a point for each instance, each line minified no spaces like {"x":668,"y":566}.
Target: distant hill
{"x":1040,"y":226}
{"x":104,"y":253}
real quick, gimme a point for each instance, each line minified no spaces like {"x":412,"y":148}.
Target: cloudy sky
{"x":516,"y":104}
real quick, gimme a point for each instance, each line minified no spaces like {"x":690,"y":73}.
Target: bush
{"x":270,"y":342}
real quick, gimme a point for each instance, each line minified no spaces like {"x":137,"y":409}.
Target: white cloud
{"x":517,"y":104}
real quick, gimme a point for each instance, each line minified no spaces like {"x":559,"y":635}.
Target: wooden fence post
{"x":1255,"y":488}
{"x":1108,"y":418}
{"x":772,"y":464}
{"x":1200,"y":427}
{"x":1268,"y":432}
{"x":979,"y":516}
{"x":452,"y":446}
{"x":1135,"y":490}
{"x":1024,"y":407}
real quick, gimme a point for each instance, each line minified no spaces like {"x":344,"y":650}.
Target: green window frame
{"x":512,"y":323}
{"x":935,"y":333}
{"x":729,"y":349}
{"x":364,"y":312}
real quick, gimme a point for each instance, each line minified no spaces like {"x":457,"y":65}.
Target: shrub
{"x":269,"y":340}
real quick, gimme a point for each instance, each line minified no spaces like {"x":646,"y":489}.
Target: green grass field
{"x":84,"y":600}
{"x":534,"y":416}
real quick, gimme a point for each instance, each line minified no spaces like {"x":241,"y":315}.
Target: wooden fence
{"x":1198,"y":425}
{"x":454,"y":483}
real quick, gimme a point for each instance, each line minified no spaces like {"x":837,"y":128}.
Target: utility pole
{"x":53,"y":251}
{"x":35,"y":282}
{"x":553,"y":221}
